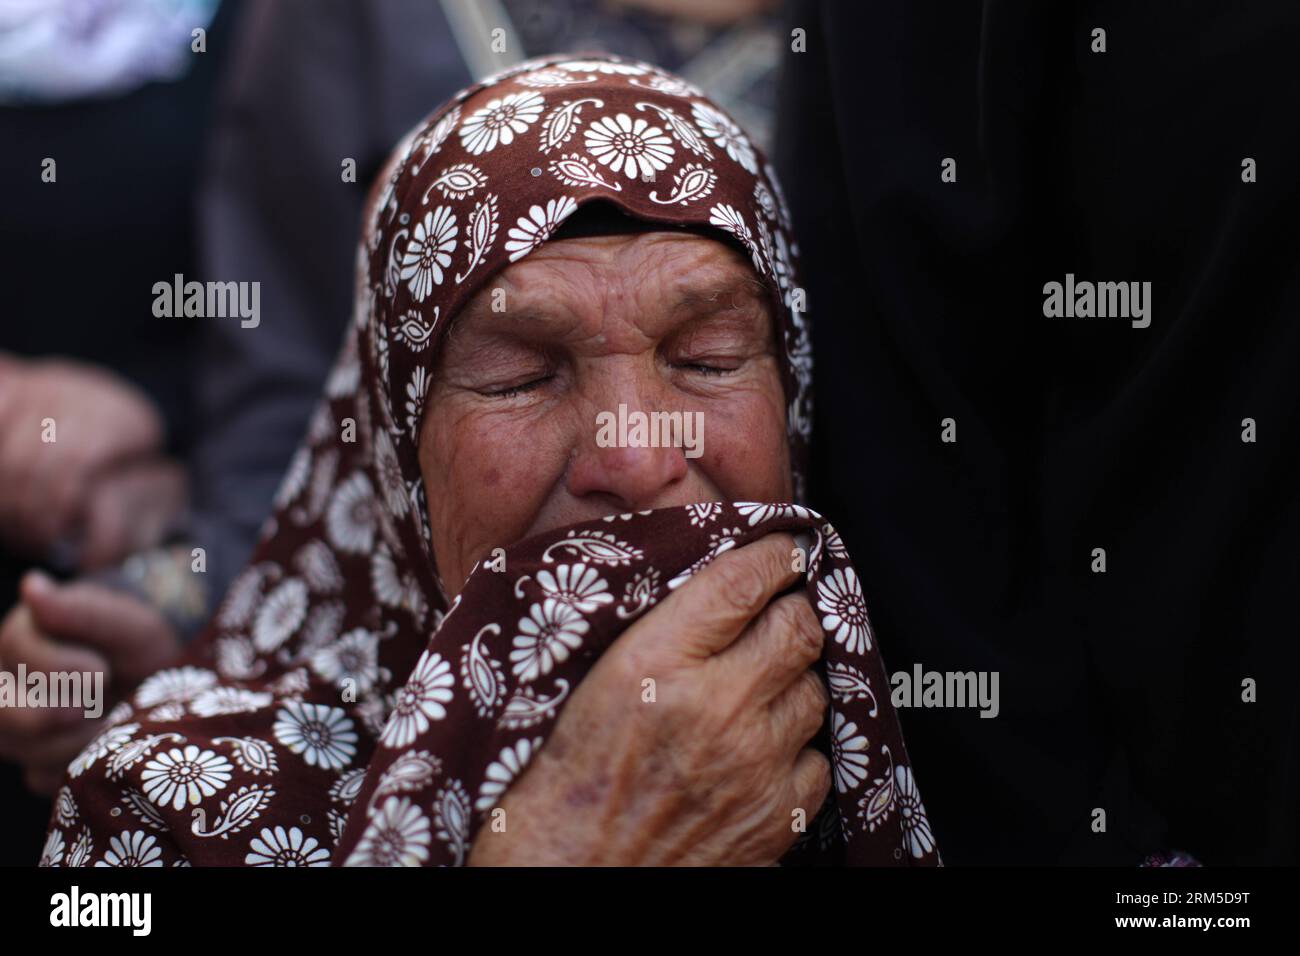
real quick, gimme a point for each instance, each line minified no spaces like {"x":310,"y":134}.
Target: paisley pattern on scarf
{"x":337,"y":710}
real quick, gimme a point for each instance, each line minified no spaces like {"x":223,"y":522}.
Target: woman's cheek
{"x":455,"y":462}
{"x":746,"y":454}
{"x":502,"y":475}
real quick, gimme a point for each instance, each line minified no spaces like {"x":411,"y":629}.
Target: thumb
{"x":133,"y":635}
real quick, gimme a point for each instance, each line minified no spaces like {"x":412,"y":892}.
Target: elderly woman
{"x":483,"y":628}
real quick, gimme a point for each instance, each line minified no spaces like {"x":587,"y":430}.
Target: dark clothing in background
{"x":81,"y":256}
{"x":1122,"y":690}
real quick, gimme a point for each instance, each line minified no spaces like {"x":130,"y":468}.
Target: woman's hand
{"x":707,"y":765}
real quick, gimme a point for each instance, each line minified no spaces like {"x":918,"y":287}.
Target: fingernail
{"x":39,"y":582}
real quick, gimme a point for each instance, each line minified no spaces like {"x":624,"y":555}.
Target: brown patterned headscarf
{"x":338,"y":710}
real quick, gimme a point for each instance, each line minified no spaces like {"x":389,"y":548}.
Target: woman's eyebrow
{"x":489,"y":321}
{"x":696,"y":299}
{"x":732,"y":293}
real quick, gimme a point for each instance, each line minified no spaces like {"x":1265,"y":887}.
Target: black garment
{"x":1122,"y":690}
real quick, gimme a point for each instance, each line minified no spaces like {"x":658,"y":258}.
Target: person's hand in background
{"x":100,"y":479}
{"x":130,"y":509}
{"x":74,"y":627}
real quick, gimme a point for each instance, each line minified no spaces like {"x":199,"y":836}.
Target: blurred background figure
{"x":173,"y":434}
{"x":103,"y":111}
{"x":1121,"y":690}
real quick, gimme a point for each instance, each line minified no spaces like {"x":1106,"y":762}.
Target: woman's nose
{"x":622,"y":456}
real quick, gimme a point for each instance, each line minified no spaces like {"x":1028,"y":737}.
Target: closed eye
{"x":512,"y":391}
{"x":703,"y":368}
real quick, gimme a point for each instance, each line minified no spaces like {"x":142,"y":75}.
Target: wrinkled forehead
{"x":591,"y":282}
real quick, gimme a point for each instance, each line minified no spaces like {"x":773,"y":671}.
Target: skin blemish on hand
{"x":582,"y":796}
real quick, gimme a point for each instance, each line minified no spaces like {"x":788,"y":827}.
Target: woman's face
{"x":511,"y":443}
